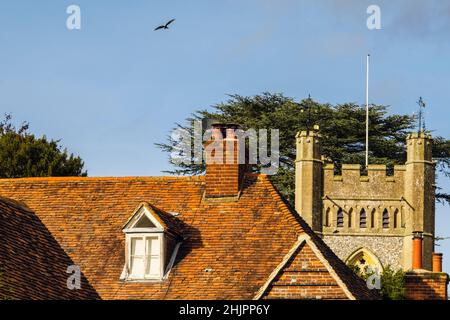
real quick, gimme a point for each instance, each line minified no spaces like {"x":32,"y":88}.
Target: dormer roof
{"x":147,"y":217}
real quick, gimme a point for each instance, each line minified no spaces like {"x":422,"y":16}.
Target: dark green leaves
{"x":24,"y":155}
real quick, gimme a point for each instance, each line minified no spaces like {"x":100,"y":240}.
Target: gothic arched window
{"x":385,"y":219}
{"x":396,"y":215}
{"x":372,"y":219}
{"x":362,"y":219}
{"x":350,"y":213}
{"x":340,"y":218}
{"x":364,"y":259}
{"x":327,"y":218}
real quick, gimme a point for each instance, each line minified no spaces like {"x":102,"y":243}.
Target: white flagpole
{"x":367,"y":111}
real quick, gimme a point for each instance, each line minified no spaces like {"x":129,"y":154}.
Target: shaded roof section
{"x":32,"y":264}
{"x":229,"y":249}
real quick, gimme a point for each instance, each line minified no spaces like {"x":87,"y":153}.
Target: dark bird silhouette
{"x":164,"y":26}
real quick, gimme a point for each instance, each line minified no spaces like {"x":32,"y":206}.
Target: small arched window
{"x":372,"y":219}
{"x":350,"y":214}
{"x":402,"y":219}
{"x":362,"y":219}
{"x":340,"y":218}
{"x":385,"y":219}
{"x":363,"y":259}
{"x":396,"y":216}
{"x":327,"y":218}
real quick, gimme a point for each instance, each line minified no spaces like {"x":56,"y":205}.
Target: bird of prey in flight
{"x":164,"y":26}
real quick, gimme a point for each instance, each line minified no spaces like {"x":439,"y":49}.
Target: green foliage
{"x":364,"y":274}
{"x":392,"y":284}
{"x":24,"y":155}
{"x":356,"y":270}
{"x":342,"y":127}
{"x":392,"y":281}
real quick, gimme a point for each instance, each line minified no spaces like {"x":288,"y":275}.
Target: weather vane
{"x":422,"y":105}
{"x":308,"y":109}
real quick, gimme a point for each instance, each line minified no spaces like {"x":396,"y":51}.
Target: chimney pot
{"x":417,"y":250}
{"x":437,"y":262}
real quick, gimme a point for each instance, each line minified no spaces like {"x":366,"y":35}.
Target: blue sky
{"x":115,"y":87}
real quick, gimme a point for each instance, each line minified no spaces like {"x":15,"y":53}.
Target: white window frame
{"x":144,"y":236}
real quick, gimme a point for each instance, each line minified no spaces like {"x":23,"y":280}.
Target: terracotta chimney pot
{"x":437,"y":262}
{"x":417,"y":250}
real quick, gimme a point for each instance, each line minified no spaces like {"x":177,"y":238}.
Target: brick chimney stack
{"x":224,"y":174}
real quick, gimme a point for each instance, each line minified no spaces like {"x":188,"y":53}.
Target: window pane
{"x":137,"y":257}
{"x":137,"y":266}
{"x":152,"y":246}
{"x":137,"y":246}
{"x":152,"y":267}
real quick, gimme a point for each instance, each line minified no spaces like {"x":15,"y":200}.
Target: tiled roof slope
{"x":229,"y":248}
{"x":32,"y":264}
{"x":304,"y":276}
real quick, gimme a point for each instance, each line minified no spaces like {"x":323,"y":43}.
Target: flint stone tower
{"x":369,"y":220}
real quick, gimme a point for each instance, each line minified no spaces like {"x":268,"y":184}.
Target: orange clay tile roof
{"x":240,"y":243}
{"x":27,"y":270}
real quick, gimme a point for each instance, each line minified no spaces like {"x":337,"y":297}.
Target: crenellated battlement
{"x":419,"y":147}
{"x":372,"y":170}
{"x":375,"y":184}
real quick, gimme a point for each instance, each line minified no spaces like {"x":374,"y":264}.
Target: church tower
{"x":370,"y":219}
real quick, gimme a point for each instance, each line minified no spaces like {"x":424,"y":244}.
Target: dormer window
{"x":150,"y":245}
